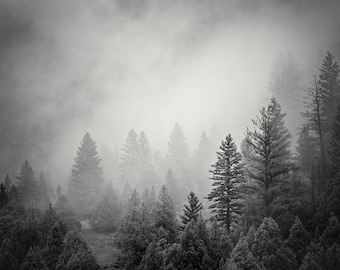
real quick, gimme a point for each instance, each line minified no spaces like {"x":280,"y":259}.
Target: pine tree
{"x":191,"y":211}
{"x":271,"y":160}
{"x":129,"y":157}
{"x":165,"y":217}
{"x":298,"y":240}
{"x":268,"y":247}
{"x":34,"y":260}
{"x":144,"y":153}
{"x":27,"y":185}
{"x":54,"y":247}
{"x":43,"y":191}
{"x":130,"y":238}
{"x":201,"y":161}
{"x":286,"y":80}
{"x":316,"y":121}
{"x":106,"y":215}
{"x":7,"y":182}
{"x":177,"y":146}
{"x":306,"y":151}
{"x":86,"y":182}
{"x":227,"y":175}
{"x":329,"y":84}
{"x":334,"y":150}
{"x":3,"y":196}
{"x":67,"y":214}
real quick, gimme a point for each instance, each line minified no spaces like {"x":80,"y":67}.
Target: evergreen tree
{"x":54,"y":247}
{"x":177,"y":146}
{"x":268,"y":247}
{"x":306,"y":151}
{"x":7,"y":182}
{"x":316,"y":121}
{"x":334,"y":197}
{"x":76,"y":254}
{"x":191,"y":211}
{"x":27,"y":185}
{"x":242,"y":258}
{"x":132,"y":238}
{"x":144,"y":153}
{"x":298,"y":240}
{"x":334,"y":150}
{"x":129,"y":157}
{"x":227,"y":174}
{"x":220,"y":246}
{"x":34,"y":260}
{"x":285,"y":81}
{"x":271,"y":160}
{"x":43,"y":191}
{"x":67,"y":214}
{"x":172,"y":185}
{"x":106,"y":215}
{"x":329,"y":84}
{"x":86,"y":182}
{"x":3,"y":196}
{"x":201,"y":161}
{"x":165,"y":218}
{"x":309,"y":263}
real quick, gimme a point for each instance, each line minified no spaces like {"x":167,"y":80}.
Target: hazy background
{"x":67,"y":67}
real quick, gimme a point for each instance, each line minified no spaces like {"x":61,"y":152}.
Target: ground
{"x":102,"y":246}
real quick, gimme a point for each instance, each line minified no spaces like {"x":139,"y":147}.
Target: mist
{"x":68,"y":67}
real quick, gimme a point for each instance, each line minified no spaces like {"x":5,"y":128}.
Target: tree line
{"x":270,"y":207}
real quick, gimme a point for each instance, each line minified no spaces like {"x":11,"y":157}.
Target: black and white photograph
{"x":169,"y":134}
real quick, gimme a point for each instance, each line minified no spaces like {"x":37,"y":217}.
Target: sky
{"x":107,"y":66}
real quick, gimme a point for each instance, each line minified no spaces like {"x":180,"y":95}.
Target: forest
{"x":260,"y":205}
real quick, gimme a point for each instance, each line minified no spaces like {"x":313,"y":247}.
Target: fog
{"x":68,"y":67}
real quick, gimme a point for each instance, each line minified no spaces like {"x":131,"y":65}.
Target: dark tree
{"x":298,"y":240}
{"x":34,"y":260}
{"x":3,"y":196}
{"x":67,"y":214}
{"x":268,"y":247}
{"x":306,"y":151}
{"x":329,"y":84}
{"x":28,"y":191}
{"x":54,"y":247}
{"x":334,"y":150}
{"x":271,"y":159}
{"x":316,"y":121}
{"x":227,"y":175}
{"x":192,"y":210}
{"x":7,"y":182}
{"x":86,"y":182}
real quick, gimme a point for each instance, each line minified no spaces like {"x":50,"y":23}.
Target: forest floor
{"x":102,"y":246}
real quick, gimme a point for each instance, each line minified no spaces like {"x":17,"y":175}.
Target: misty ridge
{"x":170,"y":134}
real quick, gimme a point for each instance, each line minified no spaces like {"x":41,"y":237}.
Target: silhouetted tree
{"x":3,"y":196}
{"x":227,"y":174}
{"x":271,"y":158}
{"x":28,"y":191}
{"x":192,"y":210}
{"x":329,"y":85}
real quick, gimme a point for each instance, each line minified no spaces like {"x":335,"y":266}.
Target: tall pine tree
{"x":271,"y":158}
{"x":86,"y":182}
{"x":28,"y":191}
{"x":227,"y":173}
